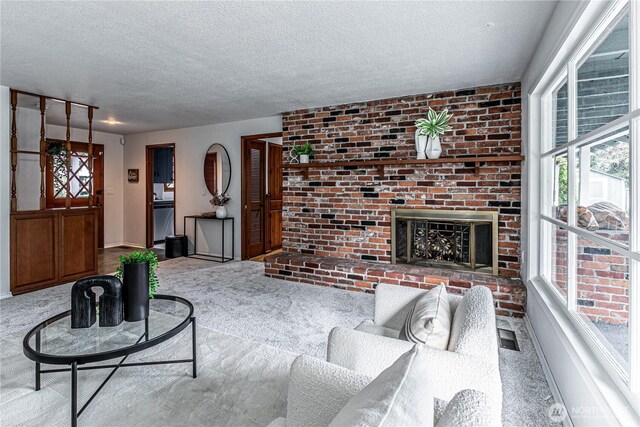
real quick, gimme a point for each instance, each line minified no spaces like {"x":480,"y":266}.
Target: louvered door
{"x":255,"y":197}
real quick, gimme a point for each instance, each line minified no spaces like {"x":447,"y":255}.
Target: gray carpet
{"x":250,"y":329}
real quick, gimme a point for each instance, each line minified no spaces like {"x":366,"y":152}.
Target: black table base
{"x":75,"y":413}
{"x":85,"y":362}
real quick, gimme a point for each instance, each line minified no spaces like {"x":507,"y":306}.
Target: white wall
{"x":591,"y":396}
{"x":191,"y":194}
{"x":5,"y":162}
{"x":113,"y":177}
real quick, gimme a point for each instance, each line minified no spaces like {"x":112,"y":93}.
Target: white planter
{"x":304,"y":158}
{"x":221,"y":212}
{"x":434,"y":149}
{"x":421,"y":145}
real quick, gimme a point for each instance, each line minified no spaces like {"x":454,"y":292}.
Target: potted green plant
{"x":428,"y":133}
{"x":303,"y":151}
{"x":139,"y":281}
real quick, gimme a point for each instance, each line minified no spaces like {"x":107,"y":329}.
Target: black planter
{"x":135,"y":280}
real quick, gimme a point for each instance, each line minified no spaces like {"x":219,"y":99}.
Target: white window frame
{"x":629,"y":382}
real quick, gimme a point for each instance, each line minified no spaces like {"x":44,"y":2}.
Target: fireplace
{"x":455,"y":239}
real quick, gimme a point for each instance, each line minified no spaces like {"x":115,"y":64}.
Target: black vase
{"x":135,"y":280}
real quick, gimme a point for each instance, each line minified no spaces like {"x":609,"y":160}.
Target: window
{"x":560,"y":110}
{"x":78,"y":177}
{"x":603,"y":81}
{"x":590,"y":165}
{"x":556,"y":272}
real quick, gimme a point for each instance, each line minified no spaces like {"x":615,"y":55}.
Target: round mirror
{"x":217,"y":169}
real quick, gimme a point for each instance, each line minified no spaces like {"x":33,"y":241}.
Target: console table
{"x":210,"y":257}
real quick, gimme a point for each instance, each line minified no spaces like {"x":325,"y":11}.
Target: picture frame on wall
{"x":133,"y":175}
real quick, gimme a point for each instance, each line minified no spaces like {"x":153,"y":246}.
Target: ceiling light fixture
{"x":111,"y":122}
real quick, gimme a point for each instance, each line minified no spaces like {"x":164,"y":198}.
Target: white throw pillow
{"x":399,"y":396}
{"x":429,"y":320}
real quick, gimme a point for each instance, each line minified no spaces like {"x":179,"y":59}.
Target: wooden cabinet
{"x":162,"y":165}
{"x":52,"y":247}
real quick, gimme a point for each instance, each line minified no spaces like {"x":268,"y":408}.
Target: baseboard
{"x":131,"y":245}
{"x":5,"y":296}
{"x":555,"y":392}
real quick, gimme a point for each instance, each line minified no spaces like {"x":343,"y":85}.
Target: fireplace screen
{"x":453,"y":239}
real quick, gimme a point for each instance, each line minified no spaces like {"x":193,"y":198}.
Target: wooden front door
{"x":274,"y":198}
{"x":254,"y":196}
{"x":56,"y":181}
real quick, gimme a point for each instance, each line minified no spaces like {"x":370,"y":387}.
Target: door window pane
{"x":79,"y":175}
{"x":603,"y":296}
{"x":603,"y":186}
{"x":603,"y":81}
{"x":559,"y":115}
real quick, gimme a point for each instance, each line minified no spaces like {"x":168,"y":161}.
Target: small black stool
{"x":175,"y":246}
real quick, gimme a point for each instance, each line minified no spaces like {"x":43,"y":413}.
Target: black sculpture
{"x":83,"y":302}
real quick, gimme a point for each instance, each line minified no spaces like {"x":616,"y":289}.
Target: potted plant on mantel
{"x":428,"y":133}
{"x":303,"y":151}
{"x":139,"y":281}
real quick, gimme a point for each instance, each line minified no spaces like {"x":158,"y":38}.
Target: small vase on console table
{"x":221,"y":212}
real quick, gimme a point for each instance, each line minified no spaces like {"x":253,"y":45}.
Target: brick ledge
{"x":509,"y":293}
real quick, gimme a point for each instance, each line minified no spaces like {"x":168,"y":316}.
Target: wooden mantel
{"x":381,"y":163}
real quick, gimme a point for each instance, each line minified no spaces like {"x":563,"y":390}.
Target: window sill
{"x":623,"y":406}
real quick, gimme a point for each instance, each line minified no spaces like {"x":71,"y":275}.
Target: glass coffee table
{"x":54,"y":342}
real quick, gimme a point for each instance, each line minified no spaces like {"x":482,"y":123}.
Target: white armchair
{"x":318,"y":390}
{"x":470,"y":361}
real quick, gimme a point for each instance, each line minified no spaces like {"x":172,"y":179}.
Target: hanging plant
{"x":57,"y":149}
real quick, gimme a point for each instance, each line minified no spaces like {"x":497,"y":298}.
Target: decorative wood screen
{"x":72,"y":175}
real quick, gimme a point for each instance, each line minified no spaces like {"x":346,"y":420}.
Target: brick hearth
{"x":509,"y":293}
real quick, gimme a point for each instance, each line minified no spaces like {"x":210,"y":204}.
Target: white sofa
{"x":470,"y":361}
{"x":318,"y":390}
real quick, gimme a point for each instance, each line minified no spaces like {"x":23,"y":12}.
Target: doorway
{"x":78,"y":180}
{"x":161,"y":194}
{"x":261,"y":194}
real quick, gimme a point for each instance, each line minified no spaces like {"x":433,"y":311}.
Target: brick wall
{"x":602,"y":277}
{"x":344,"y":212}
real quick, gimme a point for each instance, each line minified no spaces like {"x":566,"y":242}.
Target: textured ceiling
{"x":164,"y":65}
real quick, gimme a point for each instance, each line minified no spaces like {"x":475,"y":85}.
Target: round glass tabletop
{"x":55,"y":342}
